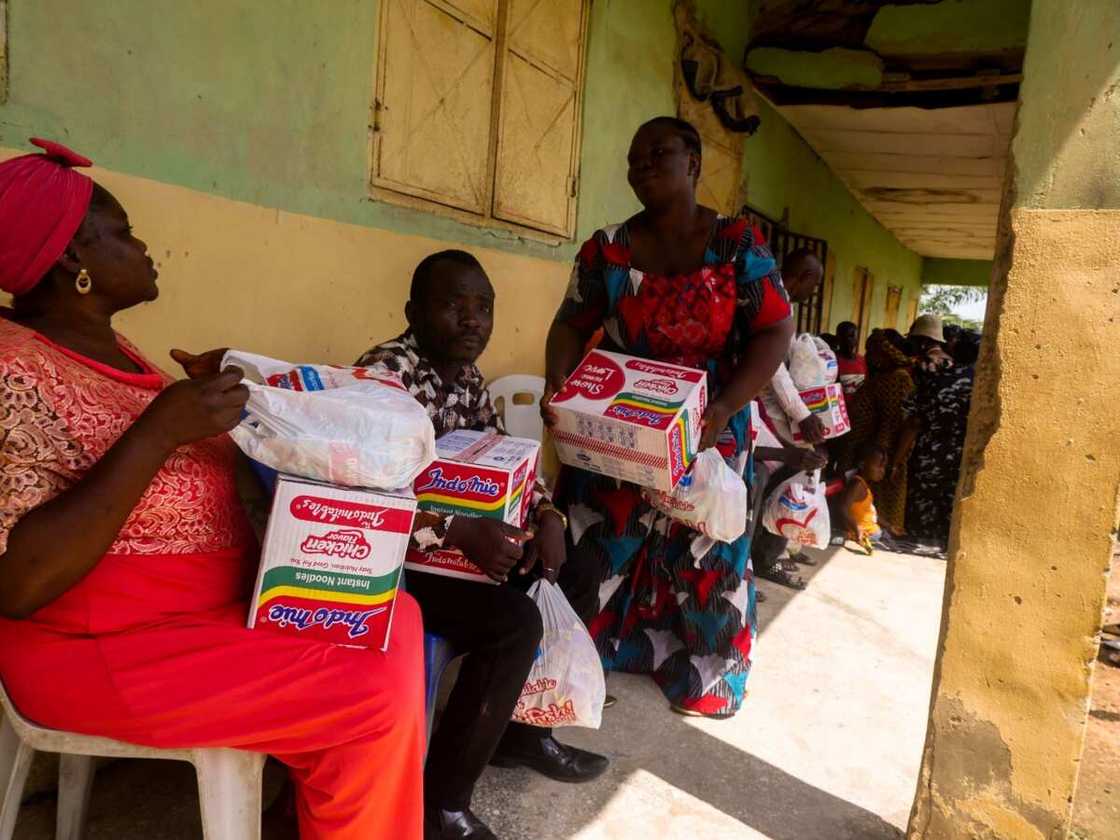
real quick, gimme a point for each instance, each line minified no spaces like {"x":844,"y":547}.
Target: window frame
{"x":380,"y":191}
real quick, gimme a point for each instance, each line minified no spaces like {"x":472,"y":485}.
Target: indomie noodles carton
{"x":331,"y":562}
{"x":475,"y":474}
{"x":630,"y":418}
{"x":827,"y":402}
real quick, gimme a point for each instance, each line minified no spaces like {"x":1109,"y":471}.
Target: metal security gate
{"x":783,"y":242}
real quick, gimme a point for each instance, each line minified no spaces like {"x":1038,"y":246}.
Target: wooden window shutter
{"x":432,"y":113}
{"x":911,"y":314}
{"x":537,"y":154}
{"x":863,"y":291}
{"x":827,"y":288}
{"x":894,"y":301}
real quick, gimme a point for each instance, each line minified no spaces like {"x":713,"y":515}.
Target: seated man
{"x":450,"y":314}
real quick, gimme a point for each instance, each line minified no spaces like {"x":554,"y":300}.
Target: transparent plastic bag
{"x":828,"y":359}
{"x":798,"y":511}
{"x":357,"y":427}
{"x":711,"y":498}
{"x":566,"y":685}
{"x":807,"y":368}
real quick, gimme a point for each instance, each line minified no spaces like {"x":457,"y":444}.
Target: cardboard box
{"x":331,"y":562}
{"x":828,"y":404}
{"x":630,"y":418}
{"x":475,"y":474}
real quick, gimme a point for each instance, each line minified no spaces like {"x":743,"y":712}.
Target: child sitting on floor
{"x":855,"y":505}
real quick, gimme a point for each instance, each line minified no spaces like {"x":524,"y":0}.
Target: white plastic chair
{"x":521,"y":420}
{"x":229,"y":781}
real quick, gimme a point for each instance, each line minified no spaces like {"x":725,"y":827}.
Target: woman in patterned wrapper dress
{"x":125,"y":557}
{"x":675,"y":283}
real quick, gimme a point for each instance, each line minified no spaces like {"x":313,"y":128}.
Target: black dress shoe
{"x":551,"y":758}
{"x":455,"y":825}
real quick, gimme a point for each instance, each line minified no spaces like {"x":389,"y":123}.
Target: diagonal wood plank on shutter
{"x":538,"y":130}
{"x":434,"y":93}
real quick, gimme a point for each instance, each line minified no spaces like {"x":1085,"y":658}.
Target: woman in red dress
{"x":125,"y":556}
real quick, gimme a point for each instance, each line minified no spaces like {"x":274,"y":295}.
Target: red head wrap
{"x":42,"y":203}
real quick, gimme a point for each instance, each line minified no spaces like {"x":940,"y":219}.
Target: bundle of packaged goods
{"x":475,"y":474}
{"x":813,"y":369}
{"x":342,"y":439}
{"x":352,"y":426}
{"x":630,"y":418}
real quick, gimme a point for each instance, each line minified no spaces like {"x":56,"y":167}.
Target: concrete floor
{"x":826,"y":747}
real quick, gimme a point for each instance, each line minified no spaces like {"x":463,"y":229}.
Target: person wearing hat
{"x":124,"y":551}
{"x":928,"y":340}
{"x":932,"y":440}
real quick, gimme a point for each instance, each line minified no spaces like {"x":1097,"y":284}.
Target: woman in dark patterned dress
{"x":676,"y":283}
{"x":938,"y":414}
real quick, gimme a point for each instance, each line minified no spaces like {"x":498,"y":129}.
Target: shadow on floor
{"x":746,"y":789}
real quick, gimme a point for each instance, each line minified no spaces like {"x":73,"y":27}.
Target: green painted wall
{"x":942,"y":272}
{"x":1065,"y":150}
{"x":969,"y":26}
{"x":730,"y":21}
{"x":629,"y":80}
{"x":782,"y":171}
{"x":268,"y":102}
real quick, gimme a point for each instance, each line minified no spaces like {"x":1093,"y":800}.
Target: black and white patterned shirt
{"x":462,"y":404}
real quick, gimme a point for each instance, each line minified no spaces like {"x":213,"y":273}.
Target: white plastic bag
{"x":806,"y":367}
{"x":711,"y":498}
{"x":357,"y":427}
{"x":798,"y":511}
{"x":828,"y":358}
{"x":565,"y":686}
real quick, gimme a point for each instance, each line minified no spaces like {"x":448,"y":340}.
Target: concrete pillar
{"x":1037,"y":503}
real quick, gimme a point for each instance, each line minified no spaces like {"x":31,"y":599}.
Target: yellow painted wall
{"x":1037,"y":503}
{"x":301,"y":288}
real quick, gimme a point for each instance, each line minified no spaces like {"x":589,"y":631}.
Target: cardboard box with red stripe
{"x":630,"y":418}
{"x":828,"y":403}
{"x":331,"y":562}
{"x":479,"y":474}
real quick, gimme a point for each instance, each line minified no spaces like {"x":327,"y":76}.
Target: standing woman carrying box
{"x":676,"y":283}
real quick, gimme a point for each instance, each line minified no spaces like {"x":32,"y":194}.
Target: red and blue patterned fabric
{"x":673,"y":604}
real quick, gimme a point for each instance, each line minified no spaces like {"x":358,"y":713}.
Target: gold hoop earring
{"x":83,"y":283}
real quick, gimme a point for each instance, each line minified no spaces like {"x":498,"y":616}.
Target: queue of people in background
{"x":894,"y":473}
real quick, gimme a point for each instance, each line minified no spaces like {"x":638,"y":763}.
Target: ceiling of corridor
{"x":910,"y":102}
{"x":933,"y":177}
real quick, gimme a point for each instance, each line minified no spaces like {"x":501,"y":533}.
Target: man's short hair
{"x":422,"y":276}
